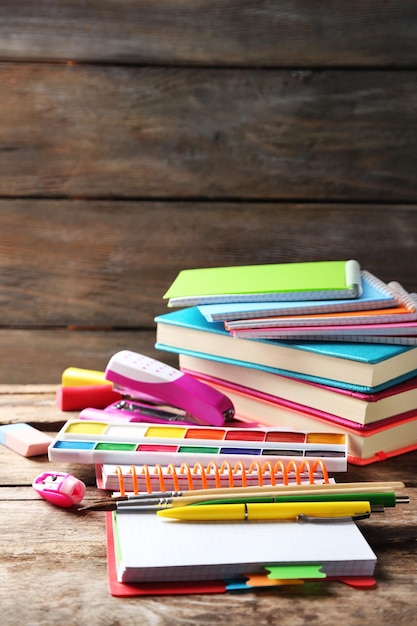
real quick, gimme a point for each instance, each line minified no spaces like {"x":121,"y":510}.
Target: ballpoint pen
{"x":286,"y":511}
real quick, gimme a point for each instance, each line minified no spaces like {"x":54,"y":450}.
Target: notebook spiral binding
{"x":265,"y":473}
{"x":409,"y":300}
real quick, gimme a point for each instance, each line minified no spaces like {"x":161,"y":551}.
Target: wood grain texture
{"x":40,"y":356}
{"x":58,"y":558}
{"x":138,"y":138}
{"x":108,"y":264}
{"x":120,"y":132}
{"x":220,"y":32}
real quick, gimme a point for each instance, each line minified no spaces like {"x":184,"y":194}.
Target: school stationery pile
{"x":210,"y":503}
{"x":303,"y":345}
{"x":183,"y":443}
{"x":258,"y":507}
{"x":242,"y":538}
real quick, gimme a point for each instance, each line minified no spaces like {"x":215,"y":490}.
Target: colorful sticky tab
{"x":282,"y":572}
{"x":257,"y":581}
{"x":261,"y":580}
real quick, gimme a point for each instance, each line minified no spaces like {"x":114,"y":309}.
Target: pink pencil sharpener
{"x":59,"y":488}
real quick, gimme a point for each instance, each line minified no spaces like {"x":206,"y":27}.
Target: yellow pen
{"x":272,"y":511}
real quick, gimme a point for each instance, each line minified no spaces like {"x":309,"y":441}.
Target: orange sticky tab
{"x":263,"y":581}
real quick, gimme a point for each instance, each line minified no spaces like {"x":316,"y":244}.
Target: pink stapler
{"x":141,"y":377}
{"x":135,"y":410}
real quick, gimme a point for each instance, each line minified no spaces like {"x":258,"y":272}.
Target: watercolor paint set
{"x":82,"y":441}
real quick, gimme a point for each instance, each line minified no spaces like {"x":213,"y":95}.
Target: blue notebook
{"x":375,"y":294}
{"x":358,"y":366}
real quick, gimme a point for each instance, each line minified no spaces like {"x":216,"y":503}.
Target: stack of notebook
{"x":279,"y":340}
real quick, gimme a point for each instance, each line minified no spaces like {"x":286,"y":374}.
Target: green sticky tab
{"x":282,"y":572}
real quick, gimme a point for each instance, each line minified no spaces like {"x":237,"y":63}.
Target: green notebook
{"x":317,"y":280}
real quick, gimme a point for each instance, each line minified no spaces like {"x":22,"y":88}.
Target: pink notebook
{"x":340,"y":421}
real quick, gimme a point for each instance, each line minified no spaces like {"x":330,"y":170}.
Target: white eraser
{"x":24,"y":439}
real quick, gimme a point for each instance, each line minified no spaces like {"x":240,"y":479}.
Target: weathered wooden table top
{"x":53,"y":561}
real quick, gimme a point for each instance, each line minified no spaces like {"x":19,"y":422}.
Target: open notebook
{"x":150,"y":549}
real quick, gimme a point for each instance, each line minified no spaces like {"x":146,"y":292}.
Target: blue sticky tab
{"x":236,"y":585}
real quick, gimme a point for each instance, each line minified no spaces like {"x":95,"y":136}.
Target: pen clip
{"x":304,"y":519}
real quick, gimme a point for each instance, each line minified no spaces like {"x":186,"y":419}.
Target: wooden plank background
{"x":139,"y":138}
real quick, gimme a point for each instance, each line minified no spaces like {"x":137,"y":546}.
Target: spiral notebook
{"x":319,"y":280}
{"x":375,"y":295}
{"x":405,"y":311}
{"x":145,"y":478}
{"x":149,"y":549}
{"x":186,"y":558}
